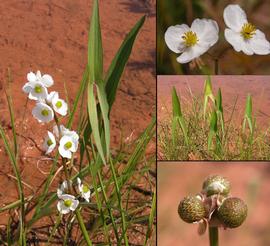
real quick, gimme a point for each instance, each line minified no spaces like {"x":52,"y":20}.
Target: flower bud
{"x":232,"y":212}
{"x":191,"y":209}
{"x":216,"y":185}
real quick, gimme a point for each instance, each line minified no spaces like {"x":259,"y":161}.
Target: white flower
{"x":67,"y":203}
{"x":84,"y":190}
{"x":194,"y":41}
{"x":68,"y":145}
{"x":64,"y":131}
{"x":35,"y":90}
{"x":49,"y":143}
{"x":63,"y":188}
{"x":37,"y":85}
{"x":42,"y":112}
{"x":241,"y":34}
{"x":58,"y":104}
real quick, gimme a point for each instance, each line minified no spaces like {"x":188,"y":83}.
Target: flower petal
{"x":234,"y":17}
{"x":63,"y":152}
{"x":31,"y":77}
{"x":62,"y":208}
{"x":74,"y":205}
{"x":234,"y":38}
{"x":192,"y":53}
{"x":47,"y":80}
{"x":259,"y":44}
{"x":206,"y":30}
{"x":173,"y":37}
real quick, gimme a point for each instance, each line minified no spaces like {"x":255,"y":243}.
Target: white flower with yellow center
{"x":59,"y":105}
{"x":84,"y":190}
{"x":64,"y":131}
{"x":36,"y":87}
{"x":68,"y":145}
{"x":194,"y":41}
{"x":241,"y":34}
{"x":67,"y":203}
{"x":42,"y":112}
{"x":49,"y":143}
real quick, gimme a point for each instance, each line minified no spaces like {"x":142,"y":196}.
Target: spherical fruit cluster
{"x":214,"y":205}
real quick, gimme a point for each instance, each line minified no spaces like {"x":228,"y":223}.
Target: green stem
{"x":216,"y":66}
{"x":83,"y":228}
{"x":213,"y":236}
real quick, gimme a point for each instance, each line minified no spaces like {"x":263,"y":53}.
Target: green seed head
{"x":85,"y":189}
{"x":191,"y":209}
{"x":68,"y":203}
{"x":58,"y":104}
{"x":45,"y":112}
{"x":38,"y":89}
{"x":68,"y":145}
{"x":232,"y":212}
{"x":49,"y":142}
{"x":216,"y":185}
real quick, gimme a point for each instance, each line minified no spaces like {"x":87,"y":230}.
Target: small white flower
{"x":37,"y":85}
{"x":68,"y":145}
{"x":58,"y":104}
{"x":194,"y":41}
{"x":63,"y":188}
{"x":42,"y":112}
{"x":84,"y":190}
{"x":64,"y":131}
{"x":35,"y":90}
{"x":241,"y":34}
{"x":67,"y":203}
{"x":49,"y":143}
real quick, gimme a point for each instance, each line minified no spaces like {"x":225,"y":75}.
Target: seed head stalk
{"x":213,"y":236}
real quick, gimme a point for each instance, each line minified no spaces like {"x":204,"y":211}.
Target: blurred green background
{"x":173,"y":12}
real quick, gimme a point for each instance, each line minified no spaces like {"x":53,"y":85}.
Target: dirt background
{"x":51,"y":36}
{"x":232,"y":87}
{"x":249,"y":181}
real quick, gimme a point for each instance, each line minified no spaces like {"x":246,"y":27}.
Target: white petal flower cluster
{"x":45,"y":110}
{"x":194,"y":41}
{"x":67,"y":202}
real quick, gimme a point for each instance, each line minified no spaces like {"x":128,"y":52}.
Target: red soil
{"x":249,"y":181}
{"x":51,"y":36}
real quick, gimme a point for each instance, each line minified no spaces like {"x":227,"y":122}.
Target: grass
{"x":200,"y":131}
{"x":119,"y":208}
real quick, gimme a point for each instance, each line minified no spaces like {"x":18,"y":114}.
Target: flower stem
{"x":83,"y":228}
{"x":213,"y":236}
{"x":216,"y":66}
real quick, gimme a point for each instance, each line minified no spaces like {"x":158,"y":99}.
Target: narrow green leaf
{"x":220,"y":114}
{"x":105,"y":115}
{"x":213,"y":129}
{"x":93,"y":118}
{"x":95,"y":52}
{"x":119,"y":62}
{"x":176,"y":104}
{"x":208,"y":94}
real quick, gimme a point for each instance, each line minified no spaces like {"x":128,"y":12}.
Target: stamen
{"x":49,"y":142}
{"x":85,"y":189}
{"x":68,"y":145}
{"x":68,"y":203}
{"x":45,"y":112}
{"x":58,"y":104}
{"x":38,"y":89}
{"x":190,"y":38}
{"x":248,"y":30}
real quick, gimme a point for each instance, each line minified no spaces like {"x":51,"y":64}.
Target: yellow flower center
{"x":248,"y":30}
{"x":68,"y":203}
{"x":49,"y":142}
{"x":45,"y":112}
{"x":68,"y":145}
{"x":58,"y":104}
{"x":38,"y":89}
{"x":85,"y":189}
{"x":190,"y":38}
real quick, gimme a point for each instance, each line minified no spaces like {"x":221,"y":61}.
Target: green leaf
{"x":213,"y":129}
{"x":176,"y":104}
{"x":119,"y":62}
{"x":93,"y":118}
{"x":95,"y":52}
{"x":105,"y":115}
{"x":208,"y":94}
{"x":220,"y":114}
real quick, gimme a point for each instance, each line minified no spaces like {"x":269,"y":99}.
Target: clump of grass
{"x":118,"y":207}
{"x":207,"y":135}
